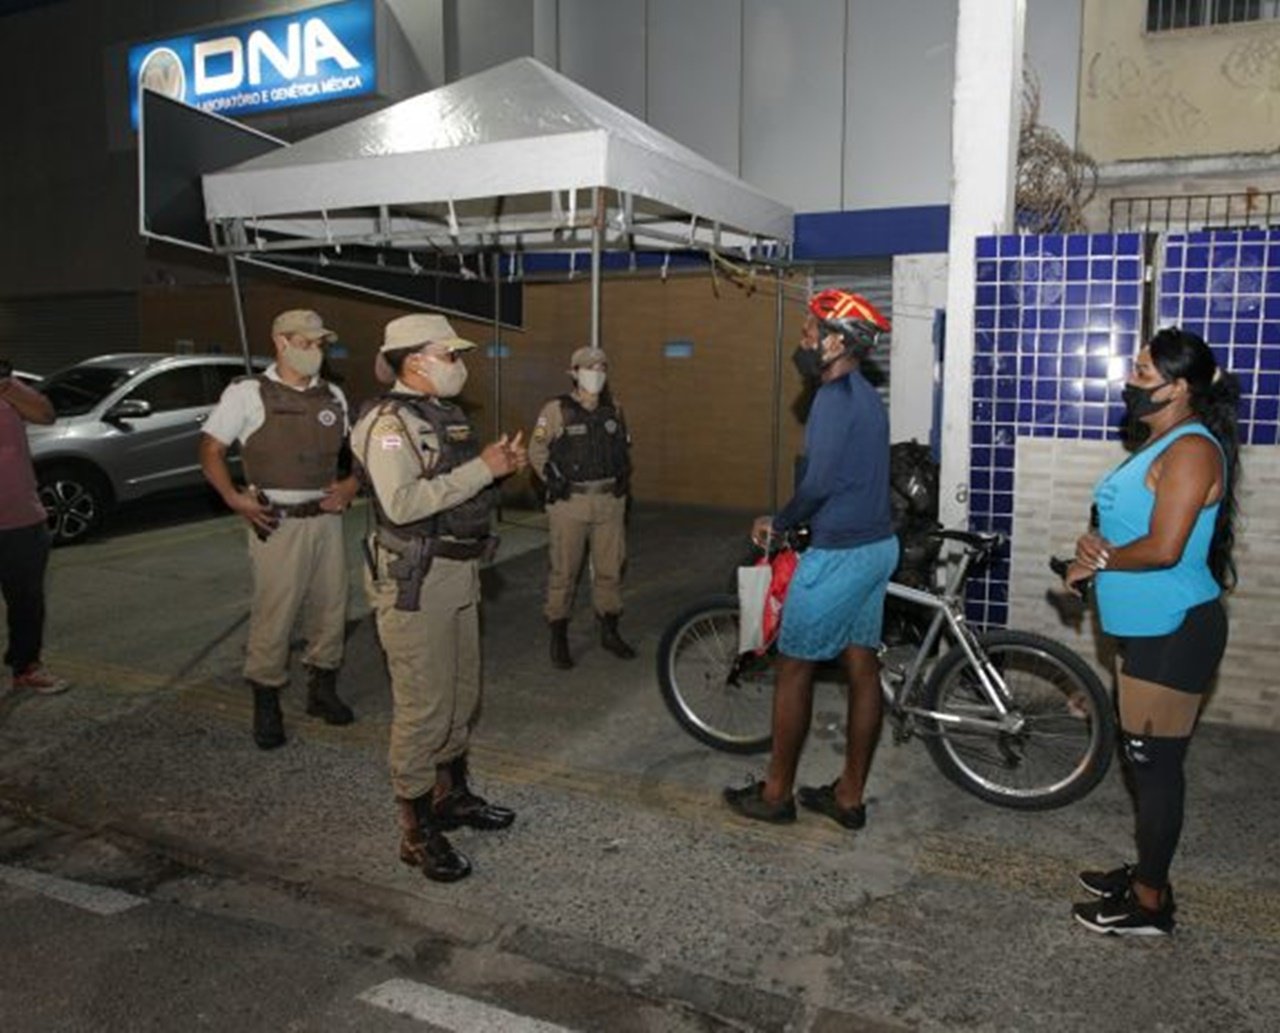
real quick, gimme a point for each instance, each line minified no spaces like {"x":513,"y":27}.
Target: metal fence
{"x":1194,"y":211}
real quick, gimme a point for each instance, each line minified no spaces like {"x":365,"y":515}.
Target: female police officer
{"x":432,"y":491}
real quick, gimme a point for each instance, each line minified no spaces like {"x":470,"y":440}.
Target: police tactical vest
{"x":457,"y":444}
{"x":593,"y":445}
{"x":298,"y":444}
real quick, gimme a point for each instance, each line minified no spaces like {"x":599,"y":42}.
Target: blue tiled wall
{"x":1056,"y":320}
{"x":1056,"y":323}
{"x":1225,"y":286}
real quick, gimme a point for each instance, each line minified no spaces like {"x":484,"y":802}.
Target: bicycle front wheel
{"x":1065,"y":723}
{"x":720,"y":697}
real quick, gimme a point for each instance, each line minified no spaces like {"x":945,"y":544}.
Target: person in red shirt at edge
{"x":24,"y":537}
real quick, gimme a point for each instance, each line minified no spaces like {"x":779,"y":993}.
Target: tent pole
{"x":775,"y":450}
{"x":597,"y":232}
{"x":239,"y":303}
{"x":495,"y":269}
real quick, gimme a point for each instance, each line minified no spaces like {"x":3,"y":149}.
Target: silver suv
{"x":127,"y":426}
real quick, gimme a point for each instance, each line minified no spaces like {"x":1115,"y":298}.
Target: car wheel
{"x":76,"y":500}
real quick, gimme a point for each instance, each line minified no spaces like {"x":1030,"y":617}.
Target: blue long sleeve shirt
{"x":843,"y":493}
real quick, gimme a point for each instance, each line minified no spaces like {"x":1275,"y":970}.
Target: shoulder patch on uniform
{"x":386,"y":425}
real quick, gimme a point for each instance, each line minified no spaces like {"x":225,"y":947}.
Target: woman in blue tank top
{"x":1160,"y":560}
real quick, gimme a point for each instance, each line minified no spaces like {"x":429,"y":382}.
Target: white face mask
{"x":303,"y":361}
{"x":447,"y":377}
{"x":592,"y":380}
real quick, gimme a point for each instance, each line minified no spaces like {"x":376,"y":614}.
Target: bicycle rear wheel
{"x":720,"y":697}
{"x":1064,"y":744}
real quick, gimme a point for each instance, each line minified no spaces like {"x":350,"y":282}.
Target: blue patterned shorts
{"x":836,"y":599}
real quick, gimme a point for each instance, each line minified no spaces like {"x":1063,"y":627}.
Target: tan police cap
{"x":304,"y":323}
{"x":588,"y":356}
{"x":421,"y":329}
{"x":416,"y":331}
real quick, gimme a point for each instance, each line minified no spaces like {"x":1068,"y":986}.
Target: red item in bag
{"x":784,"y":566}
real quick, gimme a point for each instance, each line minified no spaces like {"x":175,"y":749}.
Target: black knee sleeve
{"x":1155,"y":766}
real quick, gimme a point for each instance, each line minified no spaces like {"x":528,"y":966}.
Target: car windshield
{"x":75,"y":391}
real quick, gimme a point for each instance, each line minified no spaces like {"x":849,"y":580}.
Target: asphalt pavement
{"x":624,"y":873}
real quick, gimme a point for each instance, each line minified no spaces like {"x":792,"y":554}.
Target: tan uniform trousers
{"x":433,"y":657}
{"x":300,"y":570}
{"x":574,"y":523}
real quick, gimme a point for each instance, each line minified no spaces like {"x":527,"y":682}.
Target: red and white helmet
{"x":851,"y":315}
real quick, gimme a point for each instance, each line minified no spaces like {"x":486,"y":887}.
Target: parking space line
{"x":101,"y":900}
{"x":451,"y":1011}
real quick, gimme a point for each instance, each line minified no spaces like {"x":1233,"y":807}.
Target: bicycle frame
{"x":948,"y":610}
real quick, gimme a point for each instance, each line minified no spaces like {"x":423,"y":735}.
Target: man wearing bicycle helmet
{"x":836,"y":600}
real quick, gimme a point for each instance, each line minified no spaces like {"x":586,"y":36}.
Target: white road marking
{"x":101,"y":900}
{"x":451,"y":1011}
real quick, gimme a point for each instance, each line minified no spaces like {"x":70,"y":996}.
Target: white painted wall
{"x":1053,"y":53}
{"x":602,"y":46}
{"x":901,"y":67}
{"x":793,"y":100}
{"x":492,"y":32}
{"x":766,"y":89}
{"x":695,"y":75}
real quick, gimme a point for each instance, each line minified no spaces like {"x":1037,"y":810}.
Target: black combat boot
{"x":560,"y":645}
{"x":424,"y":846}
{"x":322,"y":697}
{"x":460,"y":806}
{"x":268,"y":722}
{"x":611,"y":640}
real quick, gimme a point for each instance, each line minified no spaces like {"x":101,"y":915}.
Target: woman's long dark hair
{"x":1215,"y":394}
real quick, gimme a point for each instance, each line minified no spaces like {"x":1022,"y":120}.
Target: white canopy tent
{"x":496,"y":162}
{"x":513,"y":160}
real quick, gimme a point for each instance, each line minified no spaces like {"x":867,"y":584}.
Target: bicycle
{"x":1015,"y":718}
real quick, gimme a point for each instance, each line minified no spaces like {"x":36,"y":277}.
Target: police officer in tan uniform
{"x":582,"y":453}
{"x":433,"y":494}
{"x":292,"y":429}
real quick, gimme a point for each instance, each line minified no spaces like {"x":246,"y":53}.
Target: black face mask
{"x":1138,"y":401}
{"x":809,"y":362}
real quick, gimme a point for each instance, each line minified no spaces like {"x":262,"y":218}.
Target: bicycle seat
{"x":978,"y":541}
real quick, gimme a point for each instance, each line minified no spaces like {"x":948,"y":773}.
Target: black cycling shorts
{"x":1187,"y":658}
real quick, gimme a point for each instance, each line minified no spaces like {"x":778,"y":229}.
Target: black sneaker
{"x":822,"y":799}
{"x":749,"y":801}
{"x":1107,"y":885}
{"x":1115,"y":883}
{"x":1124,"y":916}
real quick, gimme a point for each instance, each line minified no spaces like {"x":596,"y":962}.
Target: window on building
{"x":1190,"y":14}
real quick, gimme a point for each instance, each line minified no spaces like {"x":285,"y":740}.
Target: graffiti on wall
{"x":1149,"y":90}
{"x":1254,"y":65}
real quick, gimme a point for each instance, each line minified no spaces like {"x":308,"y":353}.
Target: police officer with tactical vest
{"x":582,"y":453}
{"x":433,"y":494}
{"x":292,"y":429}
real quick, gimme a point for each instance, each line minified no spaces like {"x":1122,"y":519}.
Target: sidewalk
{"x":944,"y":914}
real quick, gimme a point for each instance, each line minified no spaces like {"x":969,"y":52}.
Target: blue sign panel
{"x":320,"y":54}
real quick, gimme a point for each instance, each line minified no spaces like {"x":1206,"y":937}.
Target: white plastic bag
{"x":753,"y":594}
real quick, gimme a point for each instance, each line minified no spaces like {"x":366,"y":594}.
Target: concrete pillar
{"x":984,"y":148}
